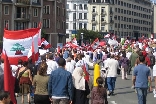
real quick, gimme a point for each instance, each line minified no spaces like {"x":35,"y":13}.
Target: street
{"x":123,"y":94}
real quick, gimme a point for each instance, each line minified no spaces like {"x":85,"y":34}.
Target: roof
{"x":101,"y":1}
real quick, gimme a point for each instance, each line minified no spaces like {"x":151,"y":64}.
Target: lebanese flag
{"x":45,"y":43}
{"x":74,"y":41}
{"x":86,"y":77}
{"x":9,"y":80}
{"x":33,"y":53}
{"x":95,"y":44}
{"x":17,"y":44}
{"x":107,"y":36}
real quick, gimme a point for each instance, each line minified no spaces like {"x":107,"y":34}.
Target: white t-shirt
{"x":112,"y":66}
{"x":52,"y":65}
{"x":154,"y":70}
{"x":69,"y":67}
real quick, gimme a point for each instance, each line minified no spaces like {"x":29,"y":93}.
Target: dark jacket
{"x":2,"y":82}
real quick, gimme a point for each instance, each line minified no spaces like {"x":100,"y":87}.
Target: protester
{"x":111,"y":65}
{"x":81,"y":87}
{"x":5,"y":97}
{"x":41,"y":86}
{"x":60,"y":86}
{"x":141,"y":78}
{"x":154,"y":75}
{"x":99,"y":93}
{"x":25,"y":78}
{"x":52,"y":65}
{"x":124,"y":65}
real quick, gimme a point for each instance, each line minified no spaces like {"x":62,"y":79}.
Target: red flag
{"x":45,"y":43}
{"x":9,"y":80}
{"x":86,"y":73}
{"x":34,"y":54}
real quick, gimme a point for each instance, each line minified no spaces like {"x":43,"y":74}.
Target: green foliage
{"x":43,"y":34}
{"x":88,"y":34}
{"x":16,"y":47}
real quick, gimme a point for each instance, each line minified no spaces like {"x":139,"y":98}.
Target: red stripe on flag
{"x":20,"y":34}
{"x":9,"y":80}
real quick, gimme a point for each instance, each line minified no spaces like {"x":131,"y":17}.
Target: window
{"x":35,"y":12}
{"x":58,"y":24}
{"x":93,"y":27}
{"x":74,"y":25}
{"x":6,"y":24}
{"x":115,"y":25}
{"x":46,"y":9}
{"x":74,"y":16}
{"x":102,"y":18}
{"x":80,"y":25}
{"x":6,"y":10}
{"x":46,"y":23}
{"x":93,"y":18}
{"x":85,"y":25}
{"x":80,"y":6}
{"x":35,"y":24}
{"x":74,"y":6}
{"x":85,"y":7}
{"x":80,"y":15}
{"x":94,"y":1}
{"x":102,"y":28}
{"x":58,"y":11}
{"x":35,"y":1}
{"x":94,"y":9}
{"x":67,"y":15}
{"x":20,"y":25}
{"x":67,"y":6}
{"x":85,"y":15}
{"x":67,"y":25}
{"x":102,"y":9}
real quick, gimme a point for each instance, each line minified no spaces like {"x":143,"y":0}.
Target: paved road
{"x":123,"y":94}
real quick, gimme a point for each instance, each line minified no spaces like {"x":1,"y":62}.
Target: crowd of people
{"x":60,"y":77}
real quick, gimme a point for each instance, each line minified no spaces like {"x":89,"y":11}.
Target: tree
{"x":88,"y":35}
{"x":18,"y":48}
{"x":43,"y":34}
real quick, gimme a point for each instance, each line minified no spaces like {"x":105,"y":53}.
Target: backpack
{"x":152,"y":60}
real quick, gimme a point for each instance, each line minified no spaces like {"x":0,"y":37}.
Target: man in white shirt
{"x":52,"y":65}
{"x":111,"y":65}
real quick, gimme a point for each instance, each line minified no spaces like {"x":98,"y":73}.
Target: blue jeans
{"x":142,"y":94}
{"x":111,"y":83}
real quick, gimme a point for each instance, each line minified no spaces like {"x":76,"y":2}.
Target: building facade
{"x":76,"y":17}
{"x":54,"y":21}
{"x":122,"y":17}
{"x":20,"y":14}
{"x":153,"y":19}
{"x":24,"y":14}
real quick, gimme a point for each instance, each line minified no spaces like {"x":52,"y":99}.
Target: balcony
{"x":94,"y":12}
{"x":111,"y":21}
{"x":6,"y":1}
{"x":36,"y":3}
{"x":22,"y":17}
{"x":22,"y":3}
{"x":103,"y":21}
{"x":103,"y":13}
{"x":94,"y":21}
{"x":111,"y":12}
